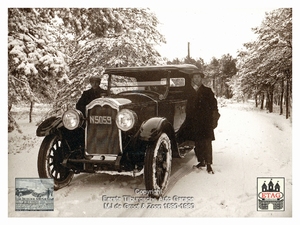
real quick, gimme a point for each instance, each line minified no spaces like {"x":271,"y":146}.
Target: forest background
{"x":52,"y":52}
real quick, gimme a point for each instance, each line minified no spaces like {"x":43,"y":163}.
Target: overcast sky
{"x":211,"y":31}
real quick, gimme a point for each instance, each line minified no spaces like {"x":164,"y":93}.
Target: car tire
{"x":50,"y":158}
{"x":157,"y":170}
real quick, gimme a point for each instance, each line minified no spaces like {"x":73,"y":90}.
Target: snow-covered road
{"x":249,"y":144}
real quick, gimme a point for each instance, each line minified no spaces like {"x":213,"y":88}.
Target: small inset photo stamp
{"x":34,"y":194}
{"x":270,"y":194}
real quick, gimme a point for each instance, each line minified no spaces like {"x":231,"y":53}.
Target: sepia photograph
{"x":150,"y":111}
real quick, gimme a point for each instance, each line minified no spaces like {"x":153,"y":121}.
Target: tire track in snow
{"x":182,"y":167}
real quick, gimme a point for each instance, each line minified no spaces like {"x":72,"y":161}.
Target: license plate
{"x":100,"y":120}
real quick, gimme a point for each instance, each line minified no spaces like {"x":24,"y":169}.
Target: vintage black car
{"x":23,"y":191}
{"x":130,"y":131}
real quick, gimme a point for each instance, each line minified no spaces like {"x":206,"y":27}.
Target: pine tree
{"x":266,"y":65}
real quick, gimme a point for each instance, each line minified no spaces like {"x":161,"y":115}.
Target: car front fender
{"x":152,"y":128}
{"x":49,"y":126}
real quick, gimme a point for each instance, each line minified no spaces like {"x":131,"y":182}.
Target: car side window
{"x":177,"y":82}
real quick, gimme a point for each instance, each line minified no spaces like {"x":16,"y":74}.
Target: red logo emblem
{"x":270,"y":194}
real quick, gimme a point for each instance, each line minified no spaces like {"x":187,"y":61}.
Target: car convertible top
{"x":131,"y":71}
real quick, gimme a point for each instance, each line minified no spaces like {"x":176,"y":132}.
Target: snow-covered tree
{"x":107,"y":38}
{"x":35,"y":65}
{"x":34,"y":62}
{"x":52,"y":50}
{"x":220,"y":71}
{"x":268,"y":60}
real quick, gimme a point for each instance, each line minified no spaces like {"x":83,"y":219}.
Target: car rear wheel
{"x":158,"y":162}
{"x":50,"y":158}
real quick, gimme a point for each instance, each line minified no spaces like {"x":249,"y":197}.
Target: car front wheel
{"x":158,"y":162}
{"x":50,"y":158}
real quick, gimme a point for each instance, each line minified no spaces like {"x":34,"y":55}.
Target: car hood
{"x":136,"y":97}
{"x":123,"y":99}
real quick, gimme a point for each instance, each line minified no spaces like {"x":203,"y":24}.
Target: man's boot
{"x":200,"y":164}
{"x":209,"y":168}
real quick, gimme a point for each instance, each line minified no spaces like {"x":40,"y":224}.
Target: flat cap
{"x":95,"y":78}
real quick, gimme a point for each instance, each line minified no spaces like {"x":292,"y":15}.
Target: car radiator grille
{"x":102,"y":133}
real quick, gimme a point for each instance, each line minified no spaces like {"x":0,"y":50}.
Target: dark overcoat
{"x":201,"y":114}
{"x":88,"y":96}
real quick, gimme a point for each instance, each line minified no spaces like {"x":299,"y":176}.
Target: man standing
{"x":202,"y":116}
{"x":89,"y":95}
{"x":48,"y":193}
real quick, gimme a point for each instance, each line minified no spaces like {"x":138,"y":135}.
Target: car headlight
{"x":72,"y":119}
{"x":126,"y":119}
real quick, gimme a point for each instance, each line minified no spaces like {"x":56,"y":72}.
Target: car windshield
{"x":124,"y":84}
